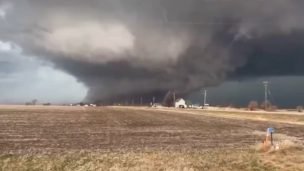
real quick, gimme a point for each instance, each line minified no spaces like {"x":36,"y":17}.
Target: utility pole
{"x":205,"y":97}
{"x":153,"y":101}
{"x":174,"y":98}
{"x":266,"y":83}
{"x":141,"y":101}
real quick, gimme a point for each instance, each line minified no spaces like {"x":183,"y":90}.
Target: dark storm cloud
{"x":284,"y":92}
{"x":121,"y":48}
{"x":274,"y":55}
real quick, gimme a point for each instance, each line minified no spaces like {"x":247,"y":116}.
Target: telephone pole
{"x":141,"y":101}
{"x":174,"y":98}
{"x":266,"y":83}
{"x":153,"y":101}
{"x":205,"y":97}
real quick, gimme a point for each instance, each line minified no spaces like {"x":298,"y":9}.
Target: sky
{"x":284,"y":91}
{"x":29,"y":79}
{"x":66,"y":51}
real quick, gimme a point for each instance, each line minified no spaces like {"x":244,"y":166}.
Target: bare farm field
{"x":121,"y":138}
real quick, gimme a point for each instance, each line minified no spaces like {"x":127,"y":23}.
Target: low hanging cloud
{"x":131,"y":48}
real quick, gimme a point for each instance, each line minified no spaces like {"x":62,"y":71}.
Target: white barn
{"x":180,"y":103}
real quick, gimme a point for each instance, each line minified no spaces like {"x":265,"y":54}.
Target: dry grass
{"x":262,"y":115}
{"x":287,"y":153}
{"x":290,"y":157}
{"x":47,"y":139}
{"x":185,"y":160}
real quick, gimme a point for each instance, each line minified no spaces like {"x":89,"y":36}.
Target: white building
{"x":180,"y":103}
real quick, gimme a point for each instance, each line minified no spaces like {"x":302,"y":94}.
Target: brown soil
{"x":117,"y":128}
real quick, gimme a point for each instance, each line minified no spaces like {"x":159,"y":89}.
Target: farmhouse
{"x":180,"y":103}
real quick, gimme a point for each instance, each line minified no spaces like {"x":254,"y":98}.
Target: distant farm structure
{"x":180,"y":103}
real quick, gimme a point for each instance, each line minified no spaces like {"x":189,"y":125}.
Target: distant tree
{"x":231,"y":105}
{"x":34,"y":102}
{"x":266,"y":105}
{"x":253,"y":105}
{"x":272,"y":108}
{"x":47,"y":104}
{"x":169,"y":99}
{"x":300,"y":108}
{"x":188,"y":103}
